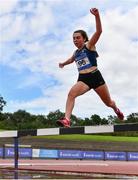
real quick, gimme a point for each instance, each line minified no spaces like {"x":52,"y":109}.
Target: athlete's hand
{"x":61,"y":65}
{"x":94,"y":11}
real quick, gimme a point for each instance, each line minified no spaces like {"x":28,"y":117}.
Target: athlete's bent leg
{"x":104,"y":94}
{"x":78,"y":89}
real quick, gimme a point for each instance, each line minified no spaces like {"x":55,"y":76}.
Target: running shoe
{"x":120,"y":115}
{"x":63,"y":123}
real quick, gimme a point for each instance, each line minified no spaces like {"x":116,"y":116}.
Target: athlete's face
{"x":78,"y":40}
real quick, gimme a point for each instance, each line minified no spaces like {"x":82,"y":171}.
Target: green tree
{"x":88,"y":122}
{"x":22,"y":119}
{"x":111,"y":119}
{"x":6,"y":121}
{"x":105,"y":121}
{"x":40,"y":121}
{"x":132,"y":118}
{"x":2,"y":103}
{"x":96,"y":120}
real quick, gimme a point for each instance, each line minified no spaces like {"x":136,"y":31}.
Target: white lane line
{"x":56,"y":164}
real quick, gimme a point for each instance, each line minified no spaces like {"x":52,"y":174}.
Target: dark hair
{"x":83,"y":33}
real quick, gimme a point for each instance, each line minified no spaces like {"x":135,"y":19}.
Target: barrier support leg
{"x":16,"y":153}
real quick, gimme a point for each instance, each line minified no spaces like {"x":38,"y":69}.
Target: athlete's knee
{"x":72,"y":94}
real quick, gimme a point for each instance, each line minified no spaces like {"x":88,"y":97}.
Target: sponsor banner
{"x":45,"y":153}
{"x":70,"y":154}
{"x":35,"y":153}
{"x":99,"y":155}
{"x":132,"y":156}
{"x":121,"y":156}
{"x":23,"y":152}
{"x":1,"y":152}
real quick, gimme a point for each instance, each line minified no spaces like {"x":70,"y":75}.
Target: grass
{"x":100,"y":138}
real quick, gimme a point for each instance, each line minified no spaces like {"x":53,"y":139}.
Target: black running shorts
{"x":93,"y":79}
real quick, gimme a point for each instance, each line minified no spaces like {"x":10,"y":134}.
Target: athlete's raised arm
{"x":93,"y":40}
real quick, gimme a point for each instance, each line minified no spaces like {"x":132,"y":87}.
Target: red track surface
{"x":77,"y":166}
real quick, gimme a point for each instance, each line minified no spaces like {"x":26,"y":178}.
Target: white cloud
{"x":7,"y":5}
{"x":27,"y":24}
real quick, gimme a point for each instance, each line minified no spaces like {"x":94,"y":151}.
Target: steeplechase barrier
{"x":16,"y":134}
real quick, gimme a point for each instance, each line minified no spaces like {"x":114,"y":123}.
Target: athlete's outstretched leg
{"x":78,"y":89}
{"x":104,"y":94}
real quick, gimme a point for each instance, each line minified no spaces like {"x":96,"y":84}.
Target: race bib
{"x":82,"y":61}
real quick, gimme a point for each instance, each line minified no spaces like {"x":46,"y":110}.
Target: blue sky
{"x":35,"y":35}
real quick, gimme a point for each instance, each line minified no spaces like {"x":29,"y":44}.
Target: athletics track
{"x":76,"y":166}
